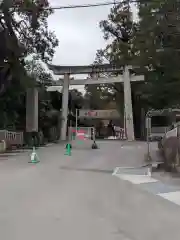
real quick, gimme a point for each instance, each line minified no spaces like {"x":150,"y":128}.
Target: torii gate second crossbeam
{"x":125,"y":78}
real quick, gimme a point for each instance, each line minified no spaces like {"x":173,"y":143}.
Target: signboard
{"x":102,"y":114}
{"x":159,"y":112}
{"x":91,"y":113}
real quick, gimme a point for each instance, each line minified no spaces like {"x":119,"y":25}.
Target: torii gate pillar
{"x":65,"y":100}
{"x":128,"y":112}
{"x":32,"y":110}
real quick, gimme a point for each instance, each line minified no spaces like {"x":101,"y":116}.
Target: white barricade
{"x":82,"y":137}
{"x":120,"y":133}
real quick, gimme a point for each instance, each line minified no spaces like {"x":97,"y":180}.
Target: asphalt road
{"x":78,"y":198}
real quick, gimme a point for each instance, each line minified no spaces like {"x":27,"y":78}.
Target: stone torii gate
{"x":126,"y":78}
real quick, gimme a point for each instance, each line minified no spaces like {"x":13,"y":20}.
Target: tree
{"x":97,"y":96}
{"x":149,"y":44}
{"x":157,"y":51}
{"x":76,"y":100}
{"x":25,"y":31}
{"x":37,"y":72}
{"x":26,"y":20}
{"x":12,"y":106}
{"x":119,"y":30}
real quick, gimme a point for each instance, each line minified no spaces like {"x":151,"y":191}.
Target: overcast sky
{"x":78,"y":31}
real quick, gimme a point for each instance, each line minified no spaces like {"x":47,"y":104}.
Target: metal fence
{"x":157,"y":132}
{"x":12,"y":138}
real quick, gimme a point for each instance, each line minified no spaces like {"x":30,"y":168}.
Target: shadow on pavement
{"x":87,"y":170}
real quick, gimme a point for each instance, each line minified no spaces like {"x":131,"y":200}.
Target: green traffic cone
{"x":68,"y":150}
{"x":34,"y":156}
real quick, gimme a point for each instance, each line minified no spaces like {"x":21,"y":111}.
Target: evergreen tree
{"x":157,"y":47}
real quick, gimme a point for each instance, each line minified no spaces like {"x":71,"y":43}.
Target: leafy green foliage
{"x":119,"y":28}
{"x":27,"y":20}
{"x":119,"y":31}
{"x":24,"y":32}
{"x":76,"y":100}
{"x":157,"y":47}
{"x":152,"y":44}
{"x":37,"y":72}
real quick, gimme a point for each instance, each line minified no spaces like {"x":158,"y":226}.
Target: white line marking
{"x":49,"y":144}
{"x":131,"y":147}
{"x":149,"y":173}
{"x":171,"y":196}
{"x":127,"y":147}
{"x":8,"y":154}
{"x":136,"y":179}
{"x":140,"y":167}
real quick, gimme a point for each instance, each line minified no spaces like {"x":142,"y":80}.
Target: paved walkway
{"x":77,"y":197}
{"x":138,"y":176}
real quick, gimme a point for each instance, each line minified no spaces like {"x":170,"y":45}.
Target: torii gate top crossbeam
{"x":86,"y":69}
